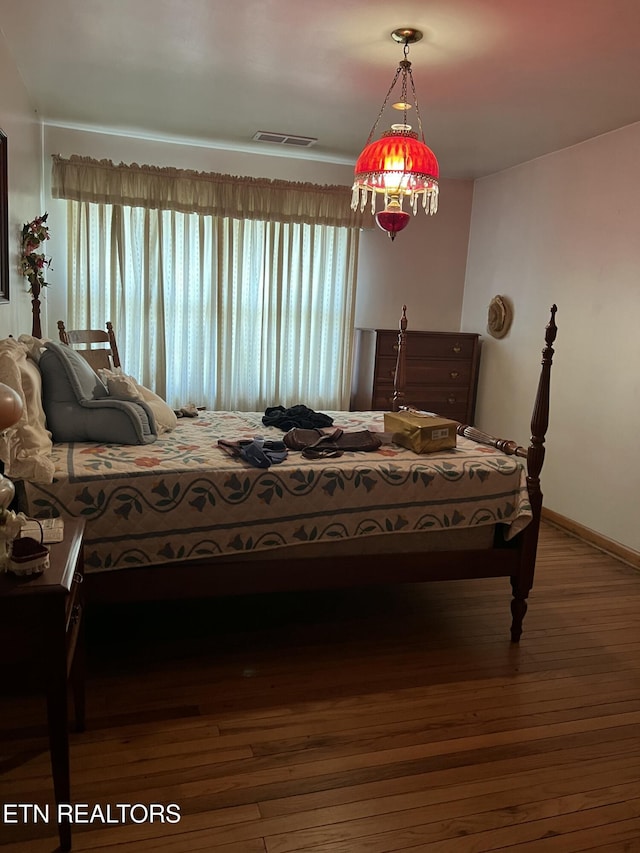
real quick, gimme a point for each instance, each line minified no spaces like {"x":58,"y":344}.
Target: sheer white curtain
{"x":227,"y":313}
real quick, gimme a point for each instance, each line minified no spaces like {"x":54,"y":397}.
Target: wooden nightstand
{"x":40,"y":621}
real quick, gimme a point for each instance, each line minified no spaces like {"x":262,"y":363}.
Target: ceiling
{"x":499,"y":82}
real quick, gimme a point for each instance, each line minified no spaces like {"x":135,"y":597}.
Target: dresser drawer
{"x":419,"y":372}
{"x":454,"y":411}
{"x":431,"y":345}
{"x":440,"y":395}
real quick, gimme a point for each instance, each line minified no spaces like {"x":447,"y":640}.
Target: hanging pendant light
{"x":399,"y":165}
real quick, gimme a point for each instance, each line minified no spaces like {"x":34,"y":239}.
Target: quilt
{"x":183,"y":498}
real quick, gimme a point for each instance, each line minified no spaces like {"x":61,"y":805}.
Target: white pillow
{"x":121,"y":386}
{"x":124,"y":387}
{"x":26,"y":447}
{"x":34,"y":346}
{"x":166,"y":418}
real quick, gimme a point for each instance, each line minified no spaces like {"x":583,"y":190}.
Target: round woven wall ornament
{"x":499,"y":317}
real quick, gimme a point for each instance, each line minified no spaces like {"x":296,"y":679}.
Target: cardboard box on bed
{"x":421,"y":432}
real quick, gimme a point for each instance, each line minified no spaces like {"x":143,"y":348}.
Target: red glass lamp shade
{"x":397,"y":165}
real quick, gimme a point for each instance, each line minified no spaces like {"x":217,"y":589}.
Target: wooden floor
{"x":396,"y":719}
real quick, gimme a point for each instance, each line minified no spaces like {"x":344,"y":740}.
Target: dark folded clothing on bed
{"x":259,"y":452}
{"x":316,"y":443}
{"x":296,"y":416}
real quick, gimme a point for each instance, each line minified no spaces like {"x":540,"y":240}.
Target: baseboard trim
{"x":621,"y":552}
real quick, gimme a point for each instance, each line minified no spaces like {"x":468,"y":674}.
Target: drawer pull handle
{"x":451,"y":400}
{"x":454,"y":374}
{"x":75,"y":614}
{"x":456,"y":348}
{"x":78,"y":578}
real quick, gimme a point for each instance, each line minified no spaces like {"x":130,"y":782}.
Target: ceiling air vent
{"x":284,"y":139}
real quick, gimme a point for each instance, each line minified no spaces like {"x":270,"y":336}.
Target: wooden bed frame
{"x":514,"y":559}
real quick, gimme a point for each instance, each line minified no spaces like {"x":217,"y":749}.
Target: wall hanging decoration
{"x":34,"y":263}
{"x":399,"y":165}
{"x":499,"y":317}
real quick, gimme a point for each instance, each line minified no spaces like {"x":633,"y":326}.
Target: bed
{"x":180,"y":518}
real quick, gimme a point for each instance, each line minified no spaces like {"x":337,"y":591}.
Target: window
{"x":227,"y":313}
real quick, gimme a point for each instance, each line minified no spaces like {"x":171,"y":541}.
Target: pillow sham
{"x":123,"y":387}
{"x":119,"y":385}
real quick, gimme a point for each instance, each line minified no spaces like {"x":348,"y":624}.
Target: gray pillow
{"x":78,"y":407}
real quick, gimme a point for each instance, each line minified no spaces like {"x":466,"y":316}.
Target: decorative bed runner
{"x":183,"y":498}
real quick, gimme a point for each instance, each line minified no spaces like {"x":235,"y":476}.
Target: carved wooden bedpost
{"x":399,"y":374}
{"x":62,"y":333}
{"x":36,"y":328}
{"x":115,"y":355}
{"x":521,"y":585}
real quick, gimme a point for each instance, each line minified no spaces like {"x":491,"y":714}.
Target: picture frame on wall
{"x":4,"y":220}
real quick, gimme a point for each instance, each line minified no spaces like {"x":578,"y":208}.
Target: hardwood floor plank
{"x":303,"y":829}
{"x":461,"y":782}
{"x":478,"y":833}
{"x":396,"y":719}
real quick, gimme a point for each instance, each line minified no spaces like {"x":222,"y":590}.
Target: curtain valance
{"x":165,"y":188}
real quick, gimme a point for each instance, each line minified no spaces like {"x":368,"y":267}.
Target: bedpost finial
{"x":552,"y":329}
{"x":403,"y":319}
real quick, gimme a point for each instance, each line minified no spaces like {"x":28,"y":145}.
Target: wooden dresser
{"x":441,"y":371}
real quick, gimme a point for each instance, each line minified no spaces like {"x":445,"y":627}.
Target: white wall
{"x":565,"y":229}
{"x":23,"y":131}
{"x":423,"y":268}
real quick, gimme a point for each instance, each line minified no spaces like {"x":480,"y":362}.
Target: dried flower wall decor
{"x":32,"y":262}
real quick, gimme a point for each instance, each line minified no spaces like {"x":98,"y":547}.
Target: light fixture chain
{"x":415,"y":101}
{"x":391,"y":88}
{"x":403,"y":92}
{"x":406,"y":66}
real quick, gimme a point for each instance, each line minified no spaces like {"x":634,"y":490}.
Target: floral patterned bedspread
{"x":183,"y":498}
